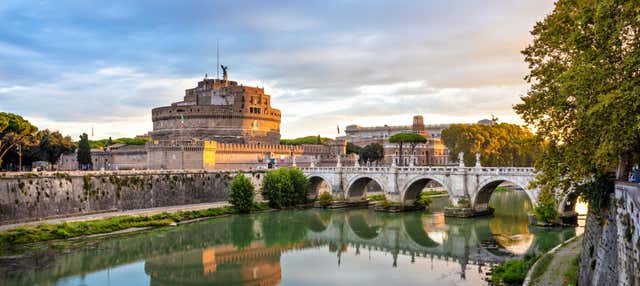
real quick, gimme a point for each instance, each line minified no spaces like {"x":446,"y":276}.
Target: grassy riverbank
{"x":45,"y":232}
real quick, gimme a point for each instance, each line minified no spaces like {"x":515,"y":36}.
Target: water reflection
{"x":289,"y":247}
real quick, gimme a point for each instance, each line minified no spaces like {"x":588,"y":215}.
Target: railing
{"x":425,"y":169}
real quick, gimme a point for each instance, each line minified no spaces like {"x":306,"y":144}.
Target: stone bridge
{"x":467,"y":186}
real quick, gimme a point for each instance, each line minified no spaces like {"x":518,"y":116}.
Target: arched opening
{"x":428,"y":187}
{"x":573,"y":209}
{"x":361,"y":187}
{"x":510,"y":198}
{"x":318,"y":185}
{"x":510,"y":204}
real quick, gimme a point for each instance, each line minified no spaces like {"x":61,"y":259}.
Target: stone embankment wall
{"x":34,"y":196}
{"x":611,"y":245}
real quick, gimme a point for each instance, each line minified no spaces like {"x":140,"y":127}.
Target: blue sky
{"x":71,"y":65}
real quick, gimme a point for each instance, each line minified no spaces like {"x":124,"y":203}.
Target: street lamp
{"x":19,"y":148}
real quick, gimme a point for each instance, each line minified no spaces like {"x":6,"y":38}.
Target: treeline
{"x":102,"y":143}
{"x":21,"y":143}
{"x":499,"y":144}
{"x":306,"y":140}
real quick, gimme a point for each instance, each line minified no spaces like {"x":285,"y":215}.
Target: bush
{"x":325,"y":199}
{"x":242,"y":191}
{"x":375,"y":198}
{"x":512,"y":272}
{"x":285,"y":187}
{"x":545,"y":210}
{"x":423,"y":200}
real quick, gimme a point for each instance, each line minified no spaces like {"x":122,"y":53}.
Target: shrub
{"x":423,"y":200}
{"x":375,"y":198}
{"x":285,"y":187}
{"x":325,"y":199}
{"x":545,"y":210}
{"x":242,"y":191}
{"x":464,"y":202}
{"x":512,"y":272}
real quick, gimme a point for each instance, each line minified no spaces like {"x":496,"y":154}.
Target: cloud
{"x":324,"y":63}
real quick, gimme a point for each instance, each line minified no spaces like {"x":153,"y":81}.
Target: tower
{"x":418,"y":124}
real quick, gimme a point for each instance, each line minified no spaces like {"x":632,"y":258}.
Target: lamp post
{"x":19,"y":147}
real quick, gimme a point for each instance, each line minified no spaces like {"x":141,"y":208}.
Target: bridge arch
{"x":412,"y":188}
{"x":480,"y":199}
{"x":318,"y":184}
{"x":357,"y":186}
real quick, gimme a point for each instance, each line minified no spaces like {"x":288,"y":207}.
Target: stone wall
{"x":34,"y":196}
{"x":611,"y":246}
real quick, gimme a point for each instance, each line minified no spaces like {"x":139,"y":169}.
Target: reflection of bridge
{"x":402,"y":184}
{"x":364,"y":229}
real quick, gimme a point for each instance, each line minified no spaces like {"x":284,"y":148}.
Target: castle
{"x":219,"y":124}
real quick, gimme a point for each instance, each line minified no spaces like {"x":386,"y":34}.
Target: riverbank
{"x":106,"y":215}
{"x":111,"y":223}
{"x":558,"y":267}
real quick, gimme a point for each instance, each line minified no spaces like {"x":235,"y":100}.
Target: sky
{"x":76,"y":65}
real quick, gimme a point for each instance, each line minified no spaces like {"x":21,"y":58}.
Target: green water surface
{"x":309,"y":247}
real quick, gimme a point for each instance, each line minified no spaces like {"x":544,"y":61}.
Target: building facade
{"x":433,"y":152}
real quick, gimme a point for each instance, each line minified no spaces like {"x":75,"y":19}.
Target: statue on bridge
{"x":461,"y":159}
{"x":478,"y":160}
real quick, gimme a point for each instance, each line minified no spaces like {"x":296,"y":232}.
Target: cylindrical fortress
{"x":219,"y":110}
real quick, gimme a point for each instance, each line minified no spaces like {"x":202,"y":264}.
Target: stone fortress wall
{"x":32,"y":196}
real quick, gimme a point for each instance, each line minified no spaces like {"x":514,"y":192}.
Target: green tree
{"x":583,"y":98}
{"x":51,"y":145}
{"x":371,"y":153}
{"x":285,"y":187}
{"x":500,"y":144}
{"x":301,"y":186}
{"x":84,"y":152}
{"x":242,"y":192}
{"x":412,"y":139}
{"x":353,"y":148}
{"x":13,"y":130}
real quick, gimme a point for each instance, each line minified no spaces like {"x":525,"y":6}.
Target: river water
{"x":309,"y":247}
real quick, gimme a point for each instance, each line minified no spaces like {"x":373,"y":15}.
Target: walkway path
{"x":560,"y":263}
{"x":149,"y":211}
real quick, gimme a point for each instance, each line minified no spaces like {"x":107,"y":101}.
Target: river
{"x":302,"y":247}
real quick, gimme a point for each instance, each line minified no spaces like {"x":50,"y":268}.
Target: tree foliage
{"x":500,"y":144}
{"x":51,"y":144}
{"x":102,"y":143}
{"x":285,"y":187}
{"x":242,"y":192}
{"x":84,"y":152}
{"x":306,"y":140}
{"x":353,"y":148}
{"x":371,"y":153}
{"x":13,"y":130}
{"x":413,"y":139}
{"x":585,"y":85}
